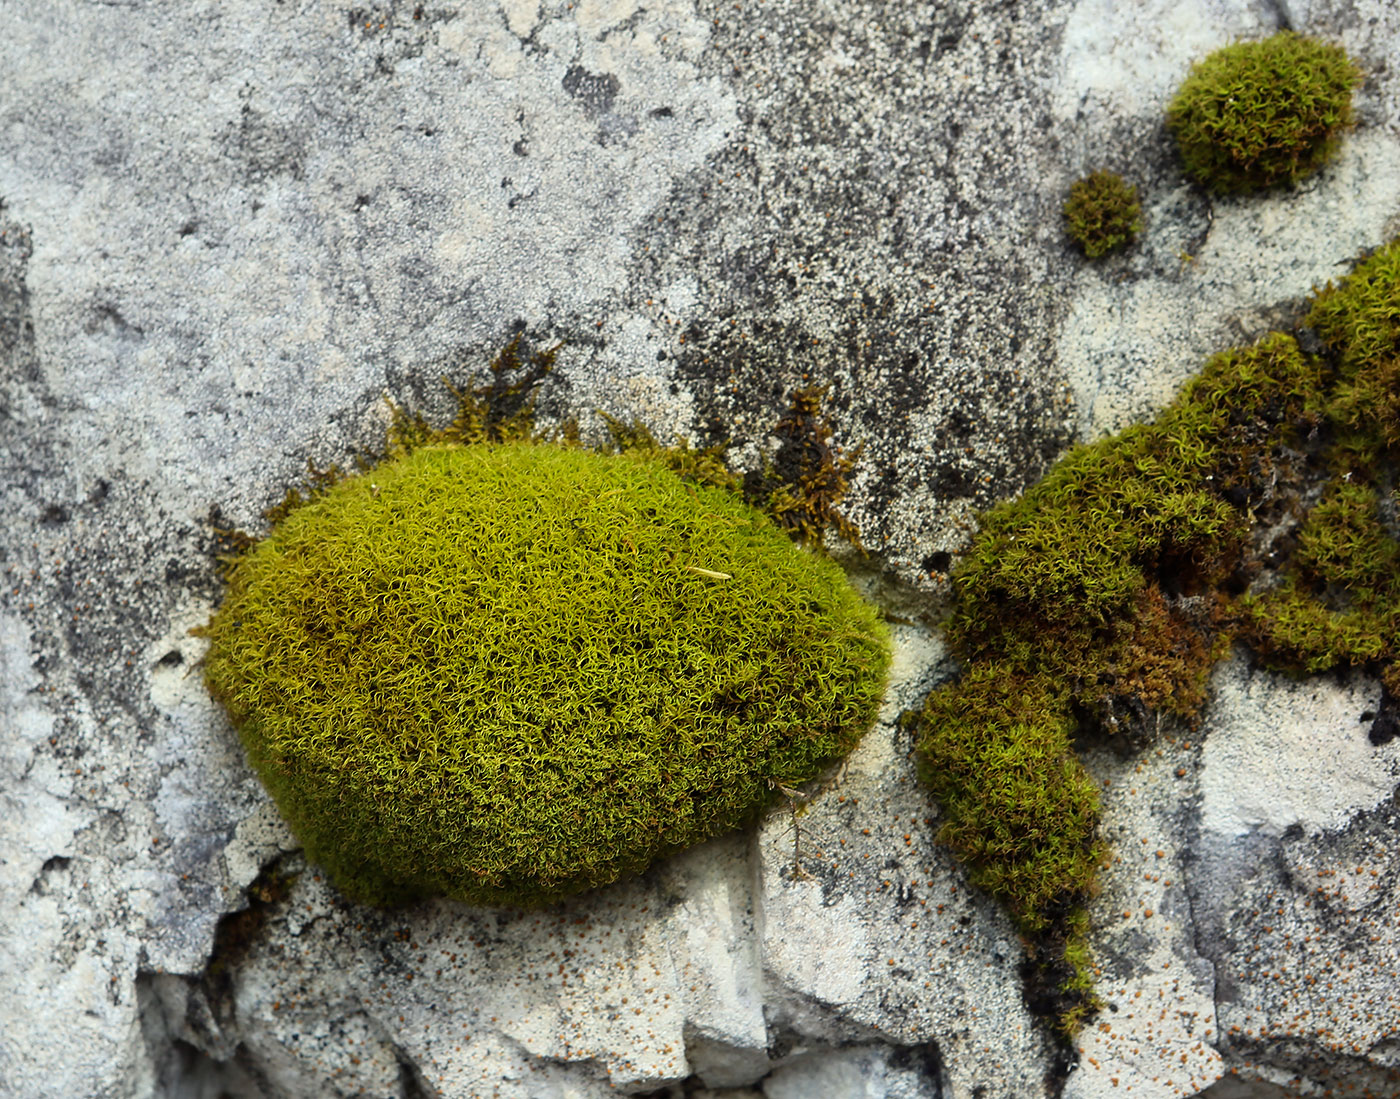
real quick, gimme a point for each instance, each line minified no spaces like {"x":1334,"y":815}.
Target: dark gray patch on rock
{"x":596,"y":91}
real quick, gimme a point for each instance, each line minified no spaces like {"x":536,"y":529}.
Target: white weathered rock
{"x":1267,"y":817}
{"x":1158,"y":1031}
{"x":1297,"y":893}
{"x":859,"y":1072}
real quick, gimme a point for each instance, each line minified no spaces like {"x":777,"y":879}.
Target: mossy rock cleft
{"x":1260,"y":114}
{"x":507,"y":673}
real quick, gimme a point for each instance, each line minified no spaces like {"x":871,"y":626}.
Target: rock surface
{"x":227,"y":229}
{"x":1224,"y":944}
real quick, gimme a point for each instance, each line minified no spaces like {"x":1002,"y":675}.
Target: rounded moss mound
{"x":1102,"y":213}
{"x":508,"y":673}
{"x":1259,"y":114}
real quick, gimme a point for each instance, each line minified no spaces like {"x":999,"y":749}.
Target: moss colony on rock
{"x":508,"y":671}
{"x":1339,"y":602}
{"x":1102,"y":213}
{"x":1259,"y":505}
{"x":1258,"y":114}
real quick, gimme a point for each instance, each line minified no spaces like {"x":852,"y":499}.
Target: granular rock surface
{"x":228,"y":230}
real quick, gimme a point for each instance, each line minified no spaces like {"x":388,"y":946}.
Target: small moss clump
{"x":1260,"y":505}
{"x":1102,"y":213}
{"x":508,"y":671}
{"x":801,"y":484}
{"x":1260,"y":114}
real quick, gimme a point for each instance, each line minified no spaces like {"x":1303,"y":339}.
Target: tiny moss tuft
{"x":318,"y":480}
{"x":1098,"y":602}
{"x":504,"y":670}
{"x":1260,"y":114}
{"x":1102,"y":213}
{"x":705,"y":466}
{"x":801,"y":484}
{"x":501,"y":410}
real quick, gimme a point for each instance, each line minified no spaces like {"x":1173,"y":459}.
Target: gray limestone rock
{"x":1249,"y":876}
{"x":227,"y":230}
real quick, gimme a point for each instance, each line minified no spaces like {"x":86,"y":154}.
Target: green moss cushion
{"x":1102,"y":213}
{"x":508,"y":673}
{"x":1261,"y":114}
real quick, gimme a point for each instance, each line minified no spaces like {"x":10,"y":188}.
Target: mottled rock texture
{"x":228,"y":228}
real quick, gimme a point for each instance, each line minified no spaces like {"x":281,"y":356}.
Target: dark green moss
{"x":1360,"y":320}
{"x":1338,"y":603}
{"x":1102,"y":213}
{"x":1062,"y":618}
{"x":1260,"y":114}
{"x":1097,"y":603}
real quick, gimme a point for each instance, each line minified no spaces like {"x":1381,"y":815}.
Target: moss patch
{"x":1102,"y":213}
{"x":1360,"y":320}
{"x":1338,"y":602}
{"x":1260,"y":114}
{"x":1099,"y":601}
{"x":506,"y":671}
